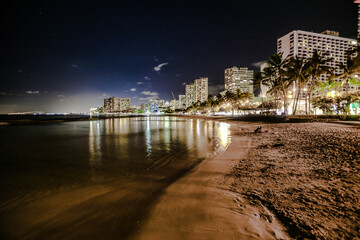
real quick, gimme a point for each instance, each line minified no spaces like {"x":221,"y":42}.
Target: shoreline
{"x":28,"y":119}
{"x":292,"y":180}
{"x":305,"y":177}
{"x":201,"y":205}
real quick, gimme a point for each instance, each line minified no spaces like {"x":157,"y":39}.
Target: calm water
{"x":116,"y":167}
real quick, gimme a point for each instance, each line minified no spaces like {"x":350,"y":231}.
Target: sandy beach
{"x":307,"y":174}
{"x":202,"y":205}
{"x":289,"y":181}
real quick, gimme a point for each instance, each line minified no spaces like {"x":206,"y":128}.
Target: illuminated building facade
{"x":189,"y":94}
{"x":239,"y":78}
{"x":182,"y":102}
{"x":302,"y":44}
{"x":115,"y":104}
{"x":201,"y":89}
{"x":263,"y":88}
{"x":197,"y":91}
{"x":358,"y":2}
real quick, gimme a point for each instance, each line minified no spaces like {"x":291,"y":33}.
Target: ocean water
{"x":83,"y":179}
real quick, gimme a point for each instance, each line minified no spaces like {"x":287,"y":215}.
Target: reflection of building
{"x":302,"y":44}
{"x":115,"y":104}
{"x":239,"y":78}
{"x":196,"y":92}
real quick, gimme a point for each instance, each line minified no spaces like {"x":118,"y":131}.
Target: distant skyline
{"x":67,"y":56}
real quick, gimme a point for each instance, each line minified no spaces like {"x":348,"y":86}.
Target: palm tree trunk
{"x":306,"y":110}
{"x":310,"y":94}
{"x":297,"y":99}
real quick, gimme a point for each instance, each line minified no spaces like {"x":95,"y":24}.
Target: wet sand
{"x":201,"y":205}
{"x":113,"y":210}
{"x":305,"y":175}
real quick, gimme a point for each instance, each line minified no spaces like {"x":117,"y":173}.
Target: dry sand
{"x":308,"y":174}
{"x":201,"y":205}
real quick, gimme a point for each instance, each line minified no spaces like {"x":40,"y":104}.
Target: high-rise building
{"x":263,"y":88}
{"x":263,"y":66}
{"x":239,"y":78}
{"x":182,"y":102}
{"x":115,"y":104}
{"x":189,"y":94}
{"x":196,"y":92}
{"x":155,"y":104}
{"x":358,"y":2}
{"x":174,"y":104}
{"x":302,"y":44}
{"x":201,"y":89}
{"x":107,"y":105}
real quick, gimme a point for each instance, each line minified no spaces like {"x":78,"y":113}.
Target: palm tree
{"x":260,"y":80}
{"x":273,"y":83}
{"x":276,"y":71}
{"x":230,"y":98}
{"x":317,"y":67}
{"x":349,"y":69}
{"x":298,"y":76}
{"x":354,"y":54}
{"x":211,"y":103}
{"x":247,"y":96}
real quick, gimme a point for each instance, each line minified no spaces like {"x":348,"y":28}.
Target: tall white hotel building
{"x":197,"y":91}
{"x":239,"y":78}
{"x":302,"y":44}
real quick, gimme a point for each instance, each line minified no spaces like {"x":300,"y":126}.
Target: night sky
{"x":66,"y":56}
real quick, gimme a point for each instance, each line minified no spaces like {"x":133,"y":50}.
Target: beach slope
{"x":201,"y":206}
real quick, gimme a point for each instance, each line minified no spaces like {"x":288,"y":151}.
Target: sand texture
{"x":201,"y":206}
{"x":308,"y":174}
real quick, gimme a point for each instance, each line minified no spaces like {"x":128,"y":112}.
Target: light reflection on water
{"x":66,"y":155}
{"x":165,"y":131}
{"x":102,"y":177}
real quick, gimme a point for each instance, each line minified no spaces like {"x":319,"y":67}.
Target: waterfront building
{"x":145,"y":107}
{"x":114,"y":104}
{"x":239,"y":78}
{"x":155,"y":104}
{"x":174,"y":104}
{"x":197,"y":91}
{"x":182,"y":102}
{"x":302,"y":44}
{"x":189,"y":94}
{"x":263,"y":88}
{"x":358,"y":2}
{"x":201,"y":89}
